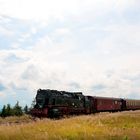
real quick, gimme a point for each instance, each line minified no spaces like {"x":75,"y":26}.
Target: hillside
{"x":100,"y":126}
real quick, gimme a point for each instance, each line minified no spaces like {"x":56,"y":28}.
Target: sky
{"x":91,"y":46}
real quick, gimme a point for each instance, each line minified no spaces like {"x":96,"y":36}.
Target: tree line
{"x":16,"y":110}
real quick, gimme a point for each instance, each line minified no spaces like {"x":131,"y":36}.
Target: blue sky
{"x":74,"y":45}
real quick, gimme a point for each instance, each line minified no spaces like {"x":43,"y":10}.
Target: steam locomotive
{"x":54,"y":103}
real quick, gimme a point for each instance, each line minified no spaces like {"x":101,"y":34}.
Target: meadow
{"x":99,"y":126}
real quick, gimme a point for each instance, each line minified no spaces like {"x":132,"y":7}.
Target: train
{"x":54,"y":104}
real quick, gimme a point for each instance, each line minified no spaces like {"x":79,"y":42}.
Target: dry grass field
{"x":100,"y":126}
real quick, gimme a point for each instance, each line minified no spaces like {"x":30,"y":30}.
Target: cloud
{"x":89,"y":46}
{"x":98,"y":87}
{"x":6,"y":32}
{"x":16,"y":34}
{"x":31,"y":73}
{"x":12,"y":58}
{"x":44,"y":9}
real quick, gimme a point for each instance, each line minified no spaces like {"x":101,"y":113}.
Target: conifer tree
{"x":3,"y":112}
{"x":9,"y":110}
{"x":17,"y":110}
{"x":26,"y":109}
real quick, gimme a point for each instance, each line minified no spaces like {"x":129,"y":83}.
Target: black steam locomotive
{"x":53,"y":103}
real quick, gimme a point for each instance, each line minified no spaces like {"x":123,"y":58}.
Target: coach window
{"x":116,"y":102}
{"x":100,"y":102}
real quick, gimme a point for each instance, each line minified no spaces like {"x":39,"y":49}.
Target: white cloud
{"x":62,"y":32}
{"x":6,"y":32}
{"x":81,"y":50}
{"x":30,"y":9}
{"x":45,"y":9}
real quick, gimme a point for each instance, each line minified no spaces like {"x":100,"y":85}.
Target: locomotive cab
{"x":42,"y":99}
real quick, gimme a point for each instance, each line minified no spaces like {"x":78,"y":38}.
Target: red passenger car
{"x":105,"y":104}
{"x":132,"y":104}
